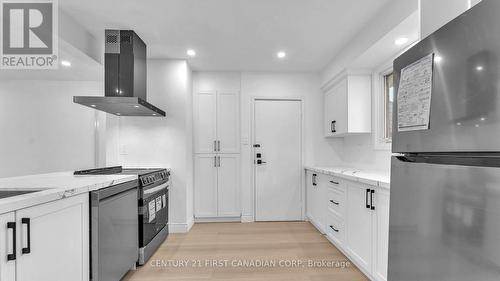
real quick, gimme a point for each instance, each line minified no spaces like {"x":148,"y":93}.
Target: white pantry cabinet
{"x":381,"y":234}
{"x":347,"y":106}
{"x":216,"y":122}
{"x":217,"y":192}
{"x":52,"y":241}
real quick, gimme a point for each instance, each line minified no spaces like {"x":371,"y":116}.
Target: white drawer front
{"x":336,"y":183}
{"x":335,"y":228}
{"x":336,"y":201}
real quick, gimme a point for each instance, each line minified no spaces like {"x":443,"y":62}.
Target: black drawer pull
{"x":336,"y":203}
{"x":371,"y":200}
{"x":334,"y":182}
{"x":366,"y":199}
{"x":26,"y":221}
{"x":12,"y":225}
{"x":336,"y":230}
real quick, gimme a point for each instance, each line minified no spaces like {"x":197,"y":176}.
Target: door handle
{"x":336,"y":230}
{"x":334,"y":182}
{"x":27,"y":222}
{"x":366,"y":198}
{"x":12,"y":225}
{"x":260,"y":162}
{"x":215,"y":145}
{"x":371,"y":199}
{"x":218,"y":145}
{"x":314,"y":179}
{"x":336,"y":203}
{"x":215,"y":161}
{"x":218,"y":161}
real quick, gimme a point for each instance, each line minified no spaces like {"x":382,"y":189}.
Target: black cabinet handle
{"x":371,"y":199}
{"x":12,"y":225}
{"x":333,"y":126}
{"x":314,"y":179}
{"x":27,"y":222}
{"x":336,"y":230}
{"x":215,"y":145}
{"x":366,"y":198}
{"x":336,"y":203}
{"x":334,"y":182}
{"x":218,"y":145}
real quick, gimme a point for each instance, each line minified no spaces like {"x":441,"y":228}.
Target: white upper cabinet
{"x":347,"y":106}
{"x":216,"y":118}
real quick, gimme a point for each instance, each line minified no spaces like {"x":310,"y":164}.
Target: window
{"x":388,"y":101}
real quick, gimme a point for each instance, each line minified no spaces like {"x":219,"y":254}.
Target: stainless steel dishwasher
{"x":113,"y":231}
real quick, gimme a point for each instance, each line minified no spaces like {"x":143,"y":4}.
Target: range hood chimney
{"x":124,"y":77}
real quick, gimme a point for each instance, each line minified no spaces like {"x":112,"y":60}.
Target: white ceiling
{"x":233,"y":34}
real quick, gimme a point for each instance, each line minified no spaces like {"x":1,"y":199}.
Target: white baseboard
{"x":226,"y":219}
{"x":247,"y":218}
{"x":180,"y":227}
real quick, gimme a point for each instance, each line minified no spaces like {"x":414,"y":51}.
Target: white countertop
{"x":371,"y":177}
{"x":55,"y":186}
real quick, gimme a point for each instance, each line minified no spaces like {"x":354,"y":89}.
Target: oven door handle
{"x":156,"y":189}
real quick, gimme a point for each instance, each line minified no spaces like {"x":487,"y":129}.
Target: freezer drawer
{"x":465,"y":103}
{"x":444,"y":220}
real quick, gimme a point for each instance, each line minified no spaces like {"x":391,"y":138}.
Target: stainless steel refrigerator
{"x":445,"y":179}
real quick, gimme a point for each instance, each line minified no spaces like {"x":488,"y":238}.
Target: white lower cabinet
{"x":359,"y":224}
{"x":381,"y":234}
{"x":354,"y":217}
{"x":52,"y":242}
{"x":217,"y":193}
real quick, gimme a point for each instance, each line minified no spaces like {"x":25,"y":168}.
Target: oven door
{"x":153,"y":213}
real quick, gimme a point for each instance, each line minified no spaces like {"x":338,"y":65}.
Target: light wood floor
{"x":276,"y":242}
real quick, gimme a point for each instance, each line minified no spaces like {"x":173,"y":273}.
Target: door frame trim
{"x":254,"y":99}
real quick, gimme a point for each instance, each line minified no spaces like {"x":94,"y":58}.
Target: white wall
{"x":161,"y":142}
{"x":436,"y":13}
{"x":42,"y":130}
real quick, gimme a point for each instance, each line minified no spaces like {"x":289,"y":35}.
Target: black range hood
{"x":124,"y":77}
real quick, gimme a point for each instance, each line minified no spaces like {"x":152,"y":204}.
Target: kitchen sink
{"x":11,"y":193}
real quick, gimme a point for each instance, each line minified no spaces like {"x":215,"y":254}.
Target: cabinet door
{"x":205,"y":122}
{"x":320,"y":201}
{"x":328,"y":113}
{"x":205,"y":186}
{"x":59,"y":241}
{"x":309,"y":195}
{"x":339,"y":108}
{"x":7,"y":267}
{"x":381,"y":234}
{"x":228,"y":122}
{"x":359,"y":224}
{"x":228,"y":189}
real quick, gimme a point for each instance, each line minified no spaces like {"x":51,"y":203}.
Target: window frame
{"x":378,"y":76}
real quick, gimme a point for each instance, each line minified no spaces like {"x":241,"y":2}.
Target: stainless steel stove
{"x":152,"y":205}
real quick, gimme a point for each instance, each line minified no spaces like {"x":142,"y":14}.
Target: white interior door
{"x":278,"y":131}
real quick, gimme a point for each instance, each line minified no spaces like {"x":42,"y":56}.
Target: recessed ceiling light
{"x":479,"y":68}
{"x":136,"y":106}
{"x":154,"y":114}
{"x":191,"y":52}
{"x":483,"y":119}
{"x":93,"y":105}
{"x":65,"y":63}
{"x":401,"y":41}
{"x":281,"y":54}
{"x":118,"y":113}
{"x":438,"y":58}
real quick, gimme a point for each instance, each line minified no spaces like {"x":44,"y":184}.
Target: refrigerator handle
{"x":366,"y":198}
{"x":371,"y":199}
